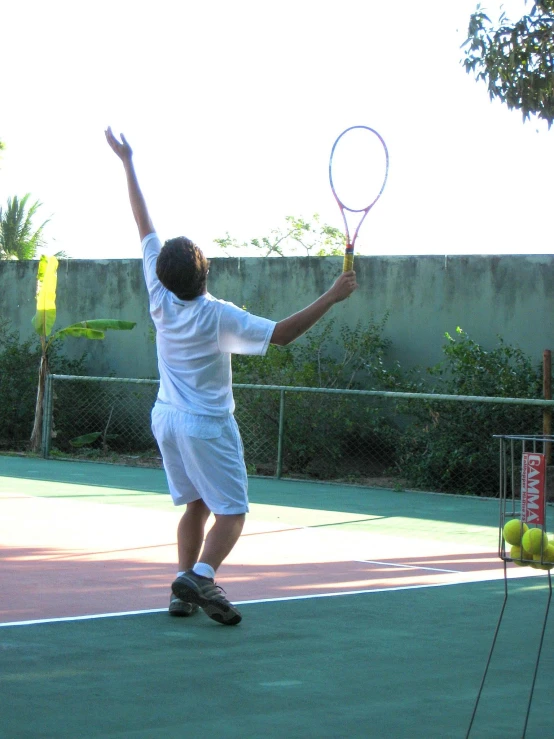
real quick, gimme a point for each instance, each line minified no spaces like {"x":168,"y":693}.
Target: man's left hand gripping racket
{"x":358,"y":170}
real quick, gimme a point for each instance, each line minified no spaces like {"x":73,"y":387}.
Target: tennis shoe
{"x":178,"y":607}
{"x":203,"y":592}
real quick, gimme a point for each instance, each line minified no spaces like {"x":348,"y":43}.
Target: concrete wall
{"x":511,"y":296}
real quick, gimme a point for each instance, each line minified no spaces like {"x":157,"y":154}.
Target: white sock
{"x":180,"y":573}
{"x":204,"y":570}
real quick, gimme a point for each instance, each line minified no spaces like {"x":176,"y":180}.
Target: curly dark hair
{"x":182,"y":268}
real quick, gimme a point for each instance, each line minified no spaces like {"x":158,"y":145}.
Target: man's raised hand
{"x":344,"y":286}
{"x":121,"y":148}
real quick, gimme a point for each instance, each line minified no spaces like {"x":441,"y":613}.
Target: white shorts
{"x":203,"y":458}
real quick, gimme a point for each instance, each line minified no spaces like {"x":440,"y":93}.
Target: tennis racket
{"x":358,"y":170}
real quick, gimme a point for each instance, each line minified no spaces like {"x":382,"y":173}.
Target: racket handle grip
{"x":348,"y":263}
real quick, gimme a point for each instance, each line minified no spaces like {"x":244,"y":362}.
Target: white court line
{"x":408,"y":567}
{"x":252,"y":602}
{"x":80,"y":618}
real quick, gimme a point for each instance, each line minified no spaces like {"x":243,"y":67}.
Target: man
{"x":192,"y":419}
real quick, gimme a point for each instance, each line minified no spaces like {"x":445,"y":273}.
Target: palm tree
{"x":18,"y":237}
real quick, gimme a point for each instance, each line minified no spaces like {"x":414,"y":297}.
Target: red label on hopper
{"x":533,"y":484}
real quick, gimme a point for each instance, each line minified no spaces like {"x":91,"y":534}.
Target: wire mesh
{"x":373,"y":438}
{"x":100,"y":416}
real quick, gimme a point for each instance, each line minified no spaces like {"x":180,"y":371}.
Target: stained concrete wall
{"x":511,"y":296}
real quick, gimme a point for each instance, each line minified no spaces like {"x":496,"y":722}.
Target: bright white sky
{"x":232,"y":107}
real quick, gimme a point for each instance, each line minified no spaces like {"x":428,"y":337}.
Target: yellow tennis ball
{"x":532,"y":539}
{"x":517,"y":553}
{"x":513,"y":531}
{"x":547,"y":558}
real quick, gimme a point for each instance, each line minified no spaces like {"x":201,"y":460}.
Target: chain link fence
{"x":440,"y":443}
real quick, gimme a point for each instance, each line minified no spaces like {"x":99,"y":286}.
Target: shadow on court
{"x":391,"y":664}
{"x":79,"y":479}
{"x":38,"y":584}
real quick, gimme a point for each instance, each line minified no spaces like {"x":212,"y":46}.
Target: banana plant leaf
{"x":96,"y":328}
{"x":80,"y":441}
{"x":80,"y":332}
{"x":47,"y":279}
{"x":87,"y":439}
{"x":107,"y":324}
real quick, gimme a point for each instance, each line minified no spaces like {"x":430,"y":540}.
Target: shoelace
{"x":217,"y":592}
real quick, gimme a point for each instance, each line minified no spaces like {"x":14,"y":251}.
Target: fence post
{"x":281,"y":434}
{"x":547,"y":393}
{"x":47,"y":416}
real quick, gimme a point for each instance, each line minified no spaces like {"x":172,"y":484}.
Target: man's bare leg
{"x":221,"y":538}
{"x":190,"y":534}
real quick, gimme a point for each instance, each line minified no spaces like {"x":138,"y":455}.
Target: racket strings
{"x":358,"y":168}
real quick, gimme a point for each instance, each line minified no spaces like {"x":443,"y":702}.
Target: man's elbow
{"x":280,"y":336}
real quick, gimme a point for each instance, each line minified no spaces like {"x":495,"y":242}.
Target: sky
{"x":232,"y":107}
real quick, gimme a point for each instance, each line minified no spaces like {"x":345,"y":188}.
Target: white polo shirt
{"x":195,"y":340}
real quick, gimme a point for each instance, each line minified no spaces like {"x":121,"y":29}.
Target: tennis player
{"x":192,"y":418}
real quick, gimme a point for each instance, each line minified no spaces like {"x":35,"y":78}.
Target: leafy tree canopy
{"x":515,"y":59}
{"x":310,"y":238}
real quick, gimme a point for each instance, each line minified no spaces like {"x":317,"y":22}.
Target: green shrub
{"x":355,"y":359}
{"x":449,"y":446}
{"x":19,"y":368}
{"x":325,"y":435}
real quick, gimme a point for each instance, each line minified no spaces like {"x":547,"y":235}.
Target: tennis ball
{"x":547,"y":558}
{"x":517,"y":553}
{"x":532,"y":539}
{"x":513,"y":531}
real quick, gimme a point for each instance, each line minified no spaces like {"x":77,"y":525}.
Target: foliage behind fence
{"x":19,"y":364}
{"x":305,"y":410}
{"x":394,"y":439}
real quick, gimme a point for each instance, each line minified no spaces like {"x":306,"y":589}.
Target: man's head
{"x":182,"y":268}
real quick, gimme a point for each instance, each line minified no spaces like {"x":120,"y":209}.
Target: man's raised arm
{"x":289,"y":329}
{"x":138,"y":204}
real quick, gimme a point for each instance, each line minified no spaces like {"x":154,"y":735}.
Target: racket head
{"x":358,"y":172}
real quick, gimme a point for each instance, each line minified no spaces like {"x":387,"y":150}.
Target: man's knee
{"x":198,"y":509}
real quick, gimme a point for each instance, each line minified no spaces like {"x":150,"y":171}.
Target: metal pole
{"x":513,"y":478}
{"x":547,"y":394}
{"x":281,"y":434}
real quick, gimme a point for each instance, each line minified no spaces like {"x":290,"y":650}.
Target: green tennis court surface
{"x":367,"y":613}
